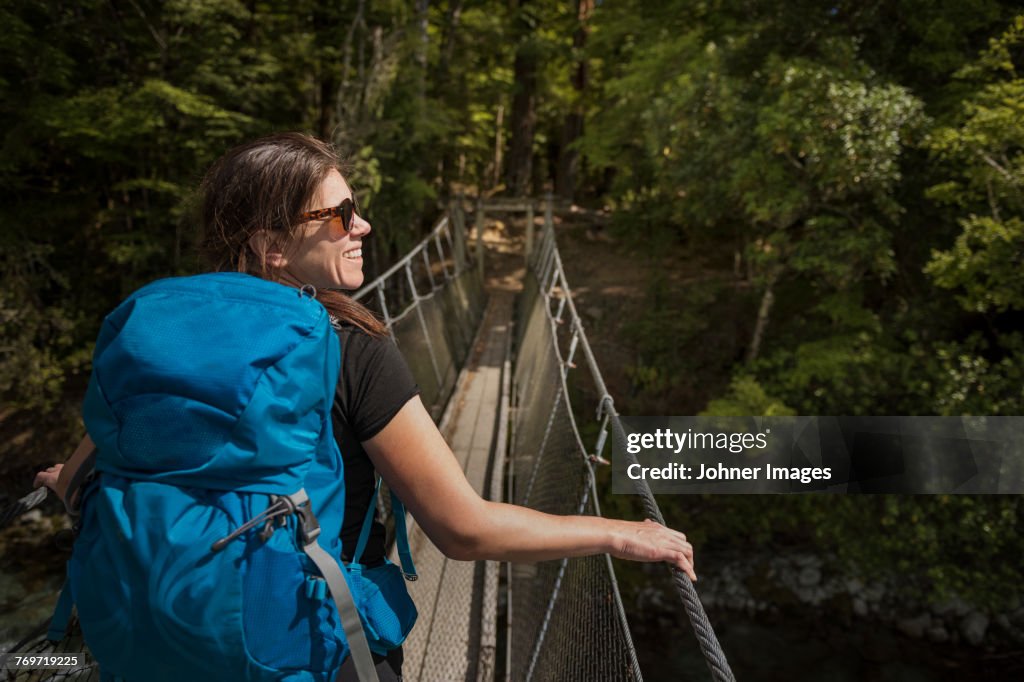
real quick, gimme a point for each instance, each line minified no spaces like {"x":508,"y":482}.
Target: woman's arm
{"x":416,"y":462}
{"x":59,"y":476}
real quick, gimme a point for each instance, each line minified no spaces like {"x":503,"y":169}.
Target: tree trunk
{"x":523,"y":114}
{"x":325,"y":122}
{"x":422,"y":7}
{"x":569,"y":158}
{"x":451,"y":26}
{"x":767,"y":300}
{"x":499,"y":143}
{"x":325,"y":25}
{"x":442,"y":82}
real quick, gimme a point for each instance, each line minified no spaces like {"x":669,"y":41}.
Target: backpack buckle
{"x":275,"y":511}
{"x":309,"y":526}
{"x":273,"y":517}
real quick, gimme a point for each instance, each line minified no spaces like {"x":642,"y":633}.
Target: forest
{"x":847,"y":177}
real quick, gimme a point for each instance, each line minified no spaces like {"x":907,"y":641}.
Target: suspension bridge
{"x":497,"y":355}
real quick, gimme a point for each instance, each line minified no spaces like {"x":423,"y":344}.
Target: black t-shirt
{"x":374,"y":384}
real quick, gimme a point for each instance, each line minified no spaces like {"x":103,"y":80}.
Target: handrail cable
{"x":548,"y":263}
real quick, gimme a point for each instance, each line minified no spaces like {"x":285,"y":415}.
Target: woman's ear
{"x":267,"y":249}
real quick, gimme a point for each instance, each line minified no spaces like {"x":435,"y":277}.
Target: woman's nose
{"x":360,"y":226}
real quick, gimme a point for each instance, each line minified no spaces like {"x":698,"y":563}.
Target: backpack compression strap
{"x":331,"y":571}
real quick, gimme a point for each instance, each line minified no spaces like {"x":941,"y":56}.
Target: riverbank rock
{"x":915,"y":627}
{"x":809,"y":576}
{"x":954,"y":605}
{"x":874,"y":592}
{"x":973,"y":627}
{"x":781,"y":581}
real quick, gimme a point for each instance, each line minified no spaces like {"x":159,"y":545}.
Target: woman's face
{"x":318,"y":256}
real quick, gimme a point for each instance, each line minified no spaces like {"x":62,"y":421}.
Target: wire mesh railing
{"x":567,"y":619}
{"x":35,"y":641}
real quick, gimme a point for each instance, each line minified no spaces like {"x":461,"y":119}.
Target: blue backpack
{"x":209,"y":544}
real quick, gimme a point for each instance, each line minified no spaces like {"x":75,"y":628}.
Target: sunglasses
{"x":345,"y":211}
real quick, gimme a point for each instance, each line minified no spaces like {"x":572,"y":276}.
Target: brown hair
{"x":265,"y":185}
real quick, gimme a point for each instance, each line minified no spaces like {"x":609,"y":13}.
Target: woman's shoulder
{"x":375,"y":381}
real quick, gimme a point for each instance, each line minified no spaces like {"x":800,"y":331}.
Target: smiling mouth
{"x":354,"y":254}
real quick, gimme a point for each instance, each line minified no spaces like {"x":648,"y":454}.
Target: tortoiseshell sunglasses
{"x":346,"y":211}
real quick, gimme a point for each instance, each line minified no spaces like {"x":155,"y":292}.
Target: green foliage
{"x":672,"y":316}
{"x":986,"y":263}
{"x":985,"y":148}
{"x":930,"y":546}
{"x":747,"y":397}
{"x":799,"y":161}
{"x":922,"y":539}
{"x":977,"y":377}
{"x":40,"y":349}
{"x":792,"y":133}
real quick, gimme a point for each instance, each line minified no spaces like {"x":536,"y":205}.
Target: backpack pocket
{"x":387,"y":610}
{"x":154,"y":603}
{"x":286,"y":628}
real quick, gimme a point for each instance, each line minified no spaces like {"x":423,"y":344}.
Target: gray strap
{"x":331,"y":571}
{"x":360,"y":650}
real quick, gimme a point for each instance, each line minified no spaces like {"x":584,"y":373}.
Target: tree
{"x":569,"y":157}
{"x":524,"y":105}
{"x":986,"y":147}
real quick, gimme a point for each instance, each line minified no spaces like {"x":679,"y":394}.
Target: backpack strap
{"x":402,"y":539}
{"x":61,"y":613}
{"x":84,"y":473}
{"x":331,"y":570}
{"x":364,"y":532}
{"x":401,"y":533}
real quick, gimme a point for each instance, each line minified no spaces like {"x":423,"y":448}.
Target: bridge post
{"x":549,"y":207}
{"x":480,"y":235}
{"x":458,"y":229}
{"x":528,"y":249}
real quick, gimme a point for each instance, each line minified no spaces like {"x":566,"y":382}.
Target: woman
{"x":279,"y":208}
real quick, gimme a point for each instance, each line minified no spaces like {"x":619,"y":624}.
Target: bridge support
{"x":480,"y":218}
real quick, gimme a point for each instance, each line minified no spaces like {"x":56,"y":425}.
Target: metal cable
{"x":709,"y":644}
{"x":548,"y":269}
{"x":19,"y":507}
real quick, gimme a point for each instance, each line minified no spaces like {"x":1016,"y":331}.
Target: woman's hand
{"x":49,"y":478}
{"x":58,"y":477}
{"x":650,"y":541}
